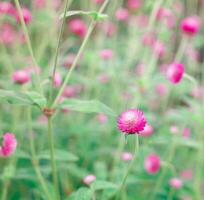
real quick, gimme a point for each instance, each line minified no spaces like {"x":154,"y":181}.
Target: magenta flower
{"x":176,"y":183}
{"x":8,"y":146}
{"x":7,"y":8}
{"x":152,"y":164}
{"x":89,"y":179}
{"x":57,"y":80}
{"x":148,"y":131}
{"x":99,"y":1}
{"x":21,"y":77}
{"x":126,"y":156}
{"x":122,"y":14}
{"x":131,"y":121}
{"x":134,"y":4}
{"x":190,"y":26}
{"x":7,"y":34}
{"x":27,"y":16}
{"x":102,"y":118}
{"x":175,"y":72}
{"x":106,"y":54}
{"x":77,"y":27}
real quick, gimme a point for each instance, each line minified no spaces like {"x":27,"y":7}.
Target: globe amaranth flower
{"x":89,"y":179}
{"x":8,"y":145}
{"x":176,"y":183}
{"x":152,"y":164}
{"x":175,"y":73}
{"x":131,"y":121}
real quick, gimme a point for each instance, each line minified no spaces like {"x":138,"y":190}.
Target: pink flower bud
{"x":131,"y":121}
{"x":174,"y":129}
{"x":134,"y":4}
{"x":39,"y":4}
{"x":8,"y":146}
{"x":27,"y":16}
{"x":186,"y":133}
{"x":89,"y":179}
{"x":186,"y":174}
{"x":109,"y":28}
{"x":175,"y":73}
{"x":77,"y":27}
{"x":21,"y":77}
{"x":140,"y":69}
{"x":166,"y":16}
{"x":126,"y":156}
{"x":7,"y":8}
{"x":102,"y":119}
{"x":103,"y":78}
{"x":98,"y":1}
{"x":159,"y":49}
{"x":176,"y":183}
{"x":57,"y":80}
{"x":7,"y":34}
{"x":190,"y":26}
{"x":152,"y":164}
{"x":149,"y":39}
{"x":148,"y":131}
{"x":106,"y":54}
{"x":161,"y":90}
{"x":122,"y":14}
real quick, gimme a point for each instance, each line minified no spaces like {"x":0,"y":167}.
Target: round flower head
{"x":89,"y":179}
{"x":175,"y":73}
{"x":8,"y":146}
{"x":152,"y":164}
{"x":176,"y":183}
{"x":57,"y":80}
{"x":78,"y":27}
{"x":190,"y":25}
{"x":27,"y":16}
{"x":7,"y":8}
{"x":102,"y":119}
{"x":106,"y":54}
{"x":131,"y":121}
{"x":21,"y":77}
{"x":122,"y":14}
{"x":98,"y":1}
{"x":126,"y":156}
{"x":7,"y":34}
{"x":148,"y":131}
{"x":134,"y":4}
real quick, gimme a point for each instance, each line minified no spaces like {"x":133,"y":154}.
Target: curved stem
{"x":81,"y":49}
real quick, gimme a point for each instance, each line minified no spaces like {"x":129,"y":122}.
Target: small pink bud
{"x":161,"y":90}
{"x":159,"y":49}
{"x":102,"y":119}
{"x":131,"y":121}
{"x":7,"y":8}
{"x":77,"y":27}
{"x":98,"y":1}
{"x":176,"y":183}
{"x":187,"y":174}
{"x":69,"y":60}
{"x":148,"y":131}
{"x":106,"y":54}
{"x":190,"y":26}
{"x":21,"y":77}
{"x":126,"y":156}
{"x":9,"y":145}
{"x":57,"y":80}
{"x":134,"y":4}
{"x":89,"y":179}
{"x":27,"y":16}
{"x":174,"y":129}
{"x":175,"y":73}
{"x":122,"y":14}
{"x":152,"y":164}
{"x":186,"y":133}
{"x":7,"y":34}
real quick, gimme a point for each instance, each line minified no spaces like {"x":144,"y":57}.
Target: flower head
{"x":89,"y":179}
{"x":122,"y":14}
{"x":126,"y":156}
{"x":8,"y":146}
{"x":148,"y":131}
{"x":176,"y":183}
{"x":152,"y":164}
{"x":78,"y":27}
{"x":27,"y":16}
{"x":175,"y":73}
{"x":21,"y":77}
{"x":131,"y":121}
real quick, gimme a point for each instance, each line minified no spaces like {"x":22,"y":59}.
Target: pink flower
{"x":186,"y":133}
{"x":109,"y":28}
{"x":174,"y":129}
{"x":131,"y":121}
{"x":176,"y":183}
{"x":122,"y":14}
{"x":166,"y":16}
{"x":103,"y":78}
{"x":8,"y":146}
{"x":148,"y":131}
{"x":161,"y":90}
{"x":106,"y":54}
{"x":98,"y":1}
{"x":190,"y":26}
{"x":140,"y":69}
{"x":7,"y":34}
{"x":186,"y":174}
{"x":159,"y":49}
{"x":57,"y":80}
{"x":77,"y":27}
{"x":149,"y":39}
{"x":152,"y":164}
{"x":21,"y":77}
{"x":27,"y":16}
{"x":126,"y":156}
{"x":71,"y":91}
{"x":102,"y":119}
{"x":175,"y":73}
{"x":134,"y":4}
{"x":89,"y":179}
{"x":7,"y":8}
{"x":39,"y":4}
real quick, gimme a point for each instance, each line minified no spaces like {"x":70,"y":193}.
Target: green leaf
{"x":93,"y":14}
{"x":81,"y":194}
{"x":91,"y":106}
{"x":24,"y":99}
{"x":102,"y":185}
{"x":60,"y":156}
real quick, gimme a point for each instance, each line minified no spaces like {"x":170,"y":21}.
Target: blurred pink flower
{"x":77,"y":27}
{"x":126,"y":156}
{"x":108,"y":28}
{"x":27,"y":16}
{"x":106,"y":54}
{"x":69,"y":60}
{"x":7,"y":8}
{"x":21,"y":77}
{"x":122,"y":14}
{"x":176,"y":183}
{"x":140,"y":69}
{"x":175,"y":73}
{"x":9,"y":145}
{"x":104,"y":78}
{"x":7,"y":34}
{"x":161,"y":90}
{"x":134,"y":4}
{"x":57,"y":80}
{"x":148,"y":131}
{"x":186,"y":133}
{"x":102,"y":118}
{"x":190,"y":26}
{"x":131,"y":121}
{"x":174,"y":129}
{"x":159,"y":49}
{"x":149,"y":39}
{"x":152,"y":164}
{"x":89,"y":179}
{"x":98,"y":1}
{"x":186,"y":174}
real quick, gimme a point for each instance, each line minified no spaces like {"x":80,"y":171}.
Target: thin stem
{"x":68,"y":3}
{"x":81,"y":49}
{"x":35,"y":160}
{"x":52,"y":157}
{"x":181,"y":49}
{"x":136,"y":149}
{"x":28,"y":44}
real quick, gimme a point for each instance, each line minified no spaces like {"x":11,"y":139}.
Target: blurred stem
{"x":81,"y":49}
{"x":25,"y":31}
{"x":52,"y":157}
{"x":35,"y":159}
{"x":170,"y":194}
{"x":68,"y":3}
{"x":181,"y":49}
{"x":136,"y":149}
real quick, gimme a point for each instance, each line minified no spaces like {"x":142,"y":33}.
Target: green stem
{"x":52,"y":157}
{"x":81,"y":49}
{"x":35,"y":160}
{"x":181,"y":49}
{"x":136,"y":149}
{"x":29,"y":45}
